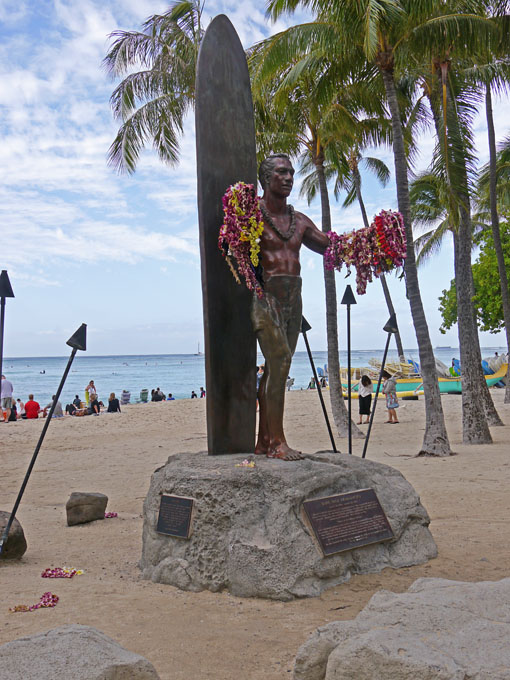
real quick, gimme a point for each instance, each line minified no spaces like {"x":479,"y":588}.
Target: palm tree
{"x":495,"y":75}
{"x":453,"y":107}
{"x":152,"y":101}
{"x":384,"y":31}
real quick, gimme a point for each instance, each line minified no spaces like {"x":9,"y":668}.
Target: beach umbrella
{"x":305,"y":327}
{"x":348,"y":300}
{"x":77,"y":341}
{"x":391,"y":328}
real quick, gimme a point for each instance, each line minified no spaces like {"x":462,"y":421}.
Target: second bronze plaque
{"x":347,"y":521}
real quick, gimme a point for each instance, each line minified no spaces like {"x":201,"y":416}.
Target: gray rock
{"x":16,"y":545}
{"x":85,"y":507}
{"x":438,"y":630}
{"x":249,"y":536}
{"x":72,"y":652}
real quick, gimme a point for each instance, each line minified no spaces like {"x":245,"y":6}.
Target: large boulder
{"x":77,"y":652}
{"x":437,"y":630}
{"x":16,"y":545}
{"x":85,"y":507}
{"x":248,"y":532}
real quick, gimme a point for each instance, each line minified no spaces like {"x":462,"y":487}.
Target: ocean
{"x":175,"y":373}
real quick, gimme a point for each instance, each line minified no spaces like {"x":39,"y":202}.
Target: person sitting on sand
{"x":390,"y":390}
{"x":170,"y":397}
{"x":194,"y":394}
{"x":57,"y":413}
{"x":77,"y":401}
{"x":94,"y":408}
{"x":13,"y":417}
{"x":32,"y":408}
{"x":113,"y":404}
{"x":21,"y":408}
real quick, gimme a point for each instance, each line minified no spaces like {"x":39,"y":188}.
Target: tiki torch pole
{"x":390,"y":328}
{"x":349,"y":299}
{"x":305,"y":327}
{"x":5,"y":292}
{"x":77,"y":341}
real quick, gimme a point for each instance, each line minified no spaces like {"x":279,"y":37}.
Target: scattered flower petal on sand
{"x":47,"y":600}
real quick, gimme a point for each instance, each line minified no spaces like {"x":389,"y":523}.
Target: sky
{"x":120,"y":253}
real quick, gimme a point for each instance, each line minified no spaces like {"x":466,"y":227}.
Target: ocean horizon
{"x":175,"y":373}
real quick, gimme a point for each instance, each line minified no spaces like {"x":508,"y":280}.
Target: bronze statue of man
{"x":276,"y":317}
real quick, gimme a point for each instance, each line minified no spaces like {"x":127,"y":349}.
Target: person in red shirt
{"x":32,"y":408}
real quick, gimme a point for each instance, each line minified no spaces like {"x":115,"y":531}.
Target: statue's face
{"x":281,"y":180}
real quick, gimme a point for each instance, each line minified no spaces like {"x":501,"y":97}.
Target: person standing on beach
{"x":90,"y":392}
{"x":390,"y":390}
{"x":276,"y":317}
{"x":365,"y":390}
{"x":6,"y":390}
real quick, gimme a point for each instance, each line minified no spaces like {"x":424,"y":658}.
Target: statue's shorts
{"x":276,"y":317}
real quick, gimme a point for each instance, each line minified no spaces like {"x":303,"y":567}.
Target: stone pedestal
{"x":248,"y":532}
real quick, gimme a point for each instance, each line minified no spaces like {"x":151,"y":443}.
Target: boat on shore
{"x":411,"y":386}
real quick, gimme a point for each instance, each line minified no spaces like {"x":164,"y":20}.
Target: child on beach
{"x":365,"y":390}
{"x":390,"y":390}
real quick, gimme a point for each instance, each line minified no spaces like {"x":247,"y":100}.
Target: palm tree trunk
{"x":382,"y":278}
{"x":338,"y":408}
{"x":435,"y":439}
{"x":478,"y":411}
{"x":496,"y":234}
{"x":475,"y":429}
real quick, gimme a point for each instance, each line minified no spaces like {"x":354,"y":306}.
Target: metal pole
{"x":306,"y":325}
{"x":349,"y":375}
{"x":36,"y":452}
{"x":376,"y":395}
{"x":348,"y":299}
{"x":76,"y":341}
{"x":2,"y":317}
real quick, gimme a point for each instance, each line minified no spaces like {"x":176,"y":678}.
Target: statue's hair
{"x":266,"y":167}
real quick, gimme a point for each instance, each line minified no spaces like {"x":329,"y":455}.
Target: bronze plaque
{"x":347,"y":521}
{"x":175,"y":516}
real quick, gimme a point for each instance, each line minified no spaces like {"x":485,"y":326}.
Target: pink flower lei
{"x":240,"y":233}
{"x":372,"y":251}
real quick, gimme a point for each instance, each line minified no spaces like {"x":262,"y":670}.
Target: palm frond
{"x":379,"y":168}
{"x":159,"y":121}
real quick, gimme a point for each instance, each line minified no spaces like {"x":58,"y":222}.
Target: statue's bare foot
{"x":284,"y":452}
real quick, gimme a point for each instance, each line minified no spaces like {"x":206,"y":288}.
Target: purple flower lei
{"x":372,"y":251}
{"x":239,"y":236}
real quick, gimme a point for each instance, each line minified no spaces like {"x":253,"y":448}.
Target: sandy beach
{"x":207,"y":635}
